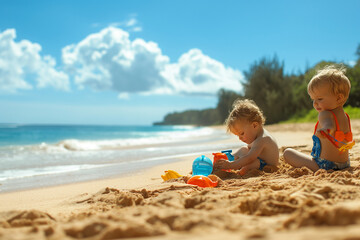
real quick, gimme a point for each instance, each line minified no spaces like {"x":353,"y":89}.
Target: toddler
{"x":329,"y":90}
{"x":246,"y":121}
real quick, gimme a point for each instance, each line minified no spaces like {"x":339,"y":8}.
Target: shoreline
{"x":46,"y":198}
{"x":231,"y":139}
{"x":24,"y":198}
{"x":281,"y":204}
{"x":182,"y":165}
{"x":81,"y":166}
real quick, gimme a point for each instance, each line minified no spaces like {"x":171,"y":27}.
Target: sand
{"x":280,"y":203}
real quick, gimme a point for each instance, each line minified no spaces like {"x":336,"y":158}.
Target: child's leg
{"x":298,"y":159}
{"x":253,"y":165}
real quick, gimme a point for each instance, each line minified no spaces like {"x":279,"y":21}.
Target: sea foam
{"x":113,"y":144}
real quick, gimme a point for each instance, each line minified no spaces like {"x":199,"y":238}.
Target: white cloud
{"x":21,"y":63}
{"x":131,"y":24}
{"x":109,"y":60}
{"x":137,"y":29}
{"x":197,"y":73}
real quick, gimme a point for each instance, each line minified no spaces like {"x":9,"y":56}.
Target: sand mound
{"x":269,"y":203}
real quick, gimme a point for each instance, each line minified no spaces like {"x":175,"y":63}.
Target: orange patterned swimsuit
{"x":338,"y":141}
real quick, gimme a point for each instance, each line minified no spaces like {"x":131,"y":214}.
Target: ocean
{"x":33,"y":156}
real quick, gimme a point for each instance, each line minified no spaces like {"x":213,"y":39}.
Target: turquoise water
{"x":13,"y":134}
{"x":34,"y":156}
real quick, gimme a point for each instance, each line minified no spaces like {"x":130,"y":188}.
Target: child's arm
{"x":326,"y":121}
{"x":246,"y":159}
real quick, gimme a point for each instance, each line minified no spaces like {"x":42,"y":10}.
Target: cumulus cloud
{"x":21,"y":63}
{"x":109,"y":60}
{"x":197,"y":73}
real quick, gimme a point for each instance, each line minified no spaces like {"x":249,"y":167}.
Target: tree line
{"x":280,"y":96}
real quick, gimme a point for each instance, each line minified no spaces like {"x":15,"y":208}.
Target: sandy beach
{"x":280,"y":203}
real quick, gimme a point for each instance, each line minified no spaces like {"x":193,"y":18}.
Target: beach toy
{"x":223,"y":155}
{"x":218,"y":156}
{"x":230,"y":157}
{"x":170,"y":174}
{"x":202,"y":166}
{"x":203,"y":181}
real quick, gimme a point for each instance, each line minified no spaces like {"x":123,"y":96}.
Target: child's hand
{"x":243,"y":170}
{"x":222,"y":164}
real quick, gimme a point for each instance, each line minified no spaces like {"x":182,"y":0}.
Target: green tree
{"x":357,"y":53}
{"x":209,"y":116}
{"x":354,"y":76}
{"x":204,"y":117}
{"x":266,"y":85}
{"x":225,"y":102}
{"x":300,"y":102}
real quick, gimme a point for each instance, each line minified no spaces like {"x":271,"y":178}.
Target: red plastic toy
{"x":218,"y":156}
{"x":202,"y":181}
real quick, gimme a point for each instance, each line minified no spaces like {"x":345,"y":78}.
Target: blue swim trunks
{"x":329,"y":165}
{"x":316,"y":150}
{"x":262,"y":164}
{"x":323,"y":163}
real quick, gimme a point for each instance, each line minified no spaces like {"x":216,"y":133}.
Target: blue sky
{"x":132,"y":62}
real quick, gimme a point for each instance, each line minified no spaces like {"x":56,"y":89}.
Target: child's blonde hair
{"x":244,"y":109}
{"x":335,"y":77}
